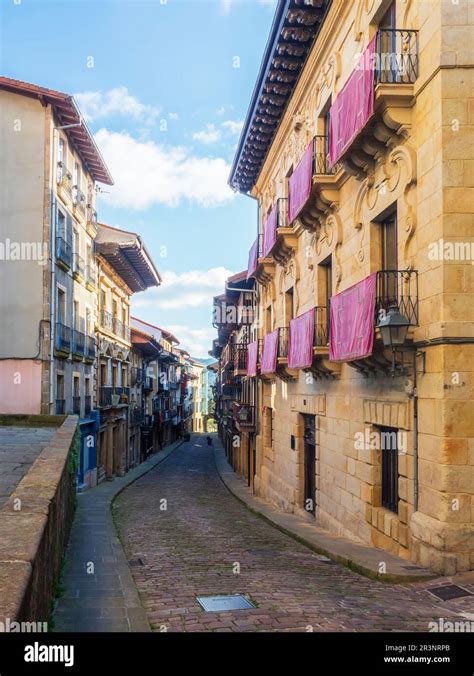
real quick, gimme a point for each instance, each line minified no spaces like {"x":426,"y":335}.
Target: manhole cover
{"x":212,"y":604}
{"x":449,"y":591}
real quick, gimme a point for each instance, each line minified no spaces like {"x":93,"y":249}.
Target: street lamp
{"x":393,"y":329}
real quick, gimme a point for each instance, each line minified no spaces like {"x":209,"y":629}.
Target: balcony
{"x":136,"y":416}
{"x":113,"y":325}
{"x":62,"y":343}
{"x":148,"y":383}
{"x":91,"y":221}
{"x":78,"y":267}
{"x":64,"y":180}
{"x":90,"y":276}
{"x":78,"y":344}
{"x":79,"y":202}
{"x":136,"y":376}
{"x":63,"y":253}
{"x":326,"y":183}
{"x":394,"y":289}
{"x":240,"y":359}
{"x":60,"y":406}
{"x":227,"y":356}
{"x":76,"y":405}
{"x":113,"y":396}
{"x":90,"y":348}
{"x":244,"y":416}
{"x":396,"y":71}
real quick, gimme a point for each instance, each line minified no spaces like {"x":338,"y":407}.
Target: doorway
{"x":309,"y":450}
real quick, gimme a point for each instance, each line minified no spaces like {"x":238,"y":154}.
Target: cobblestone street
{"x":207,"y":543}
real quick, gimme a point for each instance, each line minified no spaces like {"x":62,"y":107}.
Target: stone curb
{"x":359,"y":558}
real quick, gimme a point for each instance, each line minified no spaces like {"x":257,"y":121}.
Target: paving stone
{"x":190,"y":550}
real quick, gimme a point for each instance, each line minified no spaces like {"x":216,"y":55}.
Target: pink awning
{"x":253,"y":259}
{"x":300,"y":341}
{"x":352,"y":321}
{"x":252,"y":355}
{"x":353,"y":106}
{"x":269,"y":236}
{"x":299,"y":184}
{"x":270,"y":352}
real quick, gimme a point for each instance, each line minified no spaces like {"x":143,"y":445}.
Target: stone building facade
{"x":386,"y":204}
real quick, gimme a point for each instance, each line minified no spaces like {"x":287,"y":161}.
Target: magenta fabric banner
{"x":270,"y":352}
{"x":269,"y":233}
{"x":253,"y":259}
{"x":352,"y":321}
{"x":300,"y":341}
{"x":299,"y":184}
{"x":252,"y":356}
{"x":353,"y":106}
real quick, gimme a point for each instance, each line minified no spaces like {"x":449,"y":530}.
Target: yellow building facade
{"x":396,"y":203}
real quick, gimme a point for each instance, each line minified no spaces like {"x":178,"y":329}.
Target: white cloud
{"x":233,"y":126}
{"x":197,"y":342}
{"x":117,"y":101}
{"x":194,"y":288}
{"x":146,"y":173}
{"x":173,"y":116}
{"x":226,"y":6}
{"x":220,"y":111}
{"x":208,"y":135}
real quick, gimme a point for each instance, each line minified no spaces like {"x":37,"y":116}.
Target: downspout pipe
{"x":415,"y":434}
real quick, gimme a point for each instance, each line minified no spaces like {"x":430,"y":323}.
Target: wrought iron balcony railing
{"x":60,"y":406}
{"x":321,"y":156}
{"x":321,"y":326}
{"x":78,"y":343}
{"x":63,"y":338}
{"x":64,"y":251}
{"x":79,"y":200}
{"x":78,"y":267}
{"x":90,"y":347}
{"x":148,"y":383}
{"x":240,"y":357}
{"x":64,"y":177}
{"x":136,"y":376}
{"x":136,"y":416}
{"x":91,"y":216}
{"x":397,"y":56}
{"x":397,"y":288}
{"x":106,"y":319}
{"x":90,"y":274}
{"x":111,"y":395}
{"x":76,"y":405}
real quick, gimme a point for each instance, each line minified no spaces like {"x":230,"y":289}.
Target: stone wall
{"x":35,"y":524}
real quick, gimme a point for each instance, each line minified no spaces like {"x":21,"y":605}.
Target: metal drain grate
{"x":213,"y":604}
{"x":449,"y":591}
{"x":140,"y":561}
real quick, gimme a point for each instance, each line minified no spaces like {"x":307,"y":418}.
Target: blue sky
{"x":164,"y":86}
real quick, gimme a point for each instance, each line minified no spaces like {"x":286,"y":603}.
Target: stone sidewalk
{"x":99,"y":592}
{"x":19,"y":448}
{"x":362,"y":558}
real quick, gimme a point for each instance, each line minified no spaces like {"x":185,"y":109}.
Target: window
{"x":268,"y":427}
{"x":103,"y":375}
{"x":59,"y":386}
{"x":87,"y":386}
{"x":389,"y":452}
{"x":114,"y":375}
{"x":76,"y":320}
{"x":124,"y":376}
{"x":289,"y":306}
{"x":77,"y":245}
{"x":76,"y":386}
{"x":114,"y":308}
{"x":389,"y":243}
{"x":88,"y":326}
{"x":103,"y":300}
{"x":61,"y":225}
{"x":124,"y":316}
{"x":61,"y":306}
